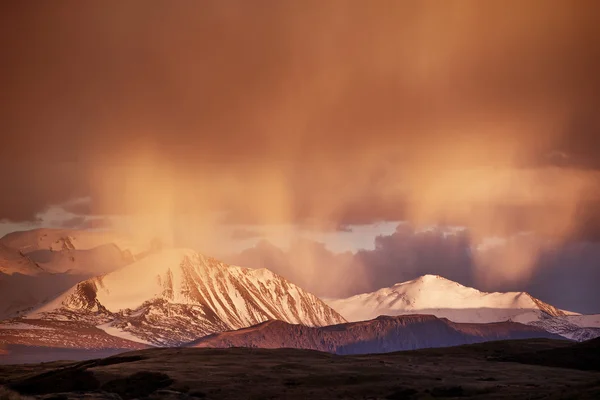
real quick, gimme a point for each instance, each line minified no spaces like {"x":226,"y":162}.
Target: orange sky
{"x":320,"y":115}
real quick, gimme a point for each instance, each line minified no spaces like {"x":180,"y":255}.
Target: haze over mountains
{"x":80,"y":290}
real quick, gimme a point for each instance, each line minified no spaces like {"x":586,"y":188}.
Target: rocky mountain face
{"x":174,"y":296}
{"x":380,"y":335}
{"x":577,"y":327}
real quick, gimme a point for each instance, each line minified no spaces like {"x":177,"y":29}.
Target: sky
{"x":345,"y":144}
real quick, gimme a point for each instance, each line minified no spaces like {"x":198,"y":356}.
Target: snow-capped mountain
{"x":67,"y":239}
{"x":24,"y":283}
{"x":435,"y":295}
{"x":38,"y":265}
{"x":91,"y":262}
{"x":380,"y":335}
{"x":175,"y":296}
{"x":14,"y":262}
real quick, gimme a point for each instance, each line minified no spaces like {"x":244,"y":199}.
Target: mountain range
{"x":435,"y":295}
{"x":174,"y":296}
{"x":92,"y":291}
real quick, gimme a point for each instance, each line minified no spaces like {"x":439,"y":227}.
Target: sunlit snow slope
{"x":435,"y":295}
{"x":432,"y":294}
{"x":174,"y":296}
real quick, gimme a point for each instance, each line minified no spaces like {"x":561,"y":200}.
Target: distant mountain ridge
{"x":38,"y":265}
{"x":380,"y":335}
{"x":66,"y":239}
{"x":435,"y":295}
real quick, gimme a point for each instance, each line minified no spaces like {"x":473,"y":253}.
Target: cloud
{"x":80,"y":206}
{"x":73,"y":223}
{"x":307,"y":263}
{"x":316,"y":114}
{"x":564,"y":276}
{"x":83,"y":222}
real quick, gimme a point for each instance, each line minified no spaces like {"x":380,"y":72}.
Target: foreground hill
{"x":40,"y":341}
{"x":472,"y":371}
{"x":433,"y":294}
{"x":381,"y":335}
{"x":584,"y":356}
{"x":174,"y":296}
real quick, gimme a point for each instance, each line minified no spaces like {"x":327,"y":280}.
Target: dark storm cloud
{"x":399,"y":257}
{"x":565,"y":277}
{"x":341,"y":99}
{"x":308,"y":264}
{"x":30,"y":186}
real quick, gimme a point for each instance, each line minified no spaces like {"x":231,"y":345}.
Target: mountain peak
{"x":434,"y":294}
{"x":428,"y":278}
{"x":175,"y":295}
{"x":429,"y":281}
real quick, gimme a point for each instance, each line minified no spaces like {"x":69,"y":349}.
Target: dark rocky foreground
{"x":484,"y":371}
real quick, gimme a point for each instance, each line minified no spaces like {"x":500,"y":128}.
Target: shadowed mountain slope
{"x":383,"y":334}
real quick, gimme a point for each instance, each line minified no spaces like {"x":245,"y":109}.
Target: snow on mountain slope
{"x":66,"y":239}
{"x":575,"y":327}
{"x":92,"y":262}
{"x":585,"y":321}
{"x":28,"y":280}
{"x":432,"y":294}
{"x":14,"y":262}
{"x":40,"y":264}
{"x":174,"y":296}
{"x":21,"y":293}
{"x":562,"y":327}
